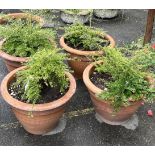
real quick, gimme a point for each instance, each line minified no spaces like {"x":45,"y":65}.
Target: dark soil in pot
{"x":48,"y":94}
{"x":100,"y":79}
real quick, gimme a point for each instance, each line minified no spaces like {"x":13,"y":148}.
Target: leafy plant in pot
{"x":118,"y":86}
{"x":47,"y":14}
{"x":6,"y":18}
{"x":71,"y":16}
{"x":39,"y":91}
{"x":21,"y":41}
{"x":82,"y":43}
{"x":143,"y":54}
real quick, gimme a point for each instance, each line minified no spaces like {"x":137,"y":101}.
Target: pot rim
{"x":96,"y":90}
{"x":37,"y":107}
{"x":87,"y":80}
{"x":39,"y":19}
{"x":86,"y":53}
{"x":9,"y":57}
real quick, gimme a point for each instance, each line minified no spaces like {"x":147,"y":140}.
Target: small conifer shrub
{"x":24,"y":40}
{"x":45,"y":67}
{"x":128,"y":78}
{"x":85,"y":37}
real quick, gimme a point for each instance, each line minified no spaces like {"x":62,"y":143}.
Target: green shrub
{"x":72,"y":11}
{"x":145,"y":58}
{"x":39,"y":12}
{"x":47,"y":14}
{"x":128,"y":79}
{"x":129,"y":48}
{"x":144,"y":55}
{"x":86,"y":37}
{"x":24,"y":40}
{"x":78,"y":11}
{"x":44,"y":67}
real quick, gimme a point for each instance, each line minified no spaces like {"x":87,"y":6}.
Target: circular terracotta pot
{"x":45,"y":116}
{"x":103,"y":108}
{"x":80,"y":59}
{"x":13,"y":62}
{"x":38,"y":19}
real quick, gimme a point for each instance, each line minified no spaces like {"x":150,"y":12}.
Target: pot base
{"x":39,"y":123}
{"x":59,"y":128}
{"x":131,"y":123}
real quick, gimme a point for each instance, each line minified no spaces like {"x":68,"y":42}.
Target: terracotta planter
{"x":38,"y":19}
{"x":13,"y":62}
{"x":81,"y":60}
{"x":103,"y":108}
{"x":70,"y":18}
{"x":45,"y":116}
